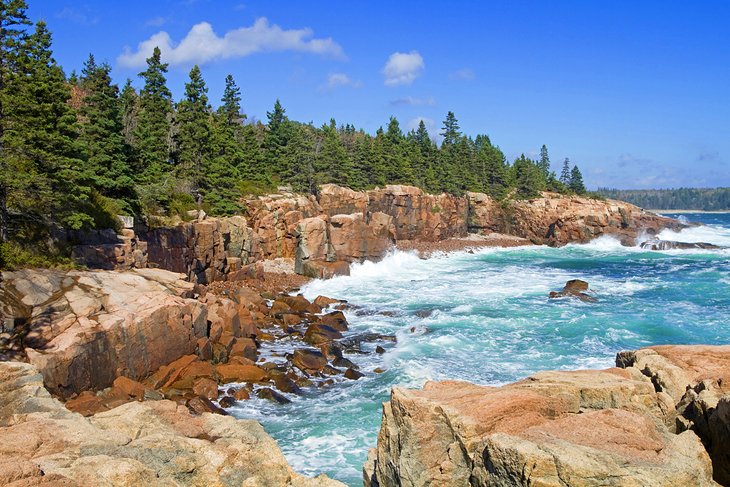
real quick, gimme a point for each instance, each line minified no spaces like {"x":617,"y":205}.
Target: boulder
{"x":139,"y":443}
{"x":240,"y":373}
{"x":318,"y":334}
{"x":308,"y":361}
{"x":271,"y":395}
{"x":335,"y":320}
{"x":574,"y":288}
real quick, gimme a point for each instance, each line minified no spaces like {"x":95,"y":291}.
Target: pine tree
{"x":193,"y":130}
{"x":576,"y":181}
{"x":152,"y":133}
{"x":565,"y":174}
{"x":13,"y":179}
{"x":101,"y":136}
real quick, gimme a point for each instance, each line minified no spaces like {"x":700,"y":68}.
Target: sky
{"x":636,"y":93}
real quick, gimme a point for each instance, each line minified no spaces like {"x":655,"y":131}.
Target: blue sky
{"x":636,"y":93}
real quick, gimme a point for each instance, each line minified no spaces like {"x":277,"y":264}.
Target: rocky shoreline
{"x":146,"y":359}
{"x":660,"y":418}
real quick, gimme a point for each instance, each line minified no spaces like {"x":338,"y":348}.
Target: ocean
{"x":485,"y":317}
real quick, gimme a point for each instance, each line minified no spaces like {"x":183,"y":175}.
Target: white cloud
{"x":338,"y":80}
{"x":463,"y":74}
{"x":403,"y":68}
{"x":202,"y":44}
{"x":414,"y":101}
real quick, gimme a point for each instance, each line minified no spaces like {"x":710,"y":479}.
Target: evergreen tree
{"x":231,"y":103}
{"x":13,"y":176}
{"x":527,"y":178}
{"x":576,"y":181}
{"x":450,"y":130}
{"x":565,"y":173}
{"x":43,"y":136}
{"x":301,"y":160}
{"x":152,"y":133}
{"x":277,"y":137}
{"x":544,"y":163}
{"x":101,"y":136}
{"x":193,"y":131}
{"x":332,"y":162}
{"x":128,"y":107}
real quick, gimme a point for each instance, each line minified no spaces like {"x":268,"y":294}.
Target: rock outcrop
{"x":152,"y":443}
{"x":557,"y":220}
{"x":348,"y":226}
{"x":84,"y":329}
{"x":661,"y":420}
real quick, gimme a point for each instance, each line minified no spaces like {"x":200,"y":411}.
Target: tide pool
{"x":486,"y":318}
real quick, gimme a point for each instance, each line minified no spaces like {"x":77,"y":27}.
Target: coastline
{"x":472,"y":241}
{"x":719,"y":212}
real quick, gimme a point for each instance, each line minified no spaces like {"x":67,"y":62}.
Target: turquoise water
{"x":485,"y":317}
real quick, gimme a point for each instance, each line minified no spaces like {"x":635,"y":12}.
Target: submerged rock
{"x":656,"y":244}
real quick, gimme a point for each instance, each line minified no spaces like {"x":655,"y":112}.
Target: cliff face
{"x":341,"y":226}
{"x":151,"y":443}
{"x":662,"y":420}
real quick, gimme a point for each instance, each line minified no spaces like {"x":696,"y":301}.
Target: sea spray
{"x":486,"y":318}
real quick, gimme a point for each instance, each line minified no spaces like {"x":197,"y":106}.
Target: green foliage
{"x":77,"y":152}
{"x":152,"y":131}
{"x":576,"y":181}
{"x":14,"y":256}
{"x":703,"y":199}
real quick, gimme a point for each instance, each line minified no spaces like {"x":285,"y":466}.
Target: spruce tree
{"x":13,"y":21}
{"x":231,"y":103}
{"x":450,"y":130}
{"x":544,"y":163}
{"x":333,"y":164}
{"x":101,"y":136}
{"x":576,"y":181}
{"x":129,"y":108}
{"x":565,"y":173}
{"x":44,"y":134}
{"x":277,"y":137}
{"x":152,"y":132}
{"x":193,"y":130}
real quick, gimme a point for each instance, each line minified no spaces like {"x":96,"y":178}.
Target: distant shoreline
{"x":690,"y":211}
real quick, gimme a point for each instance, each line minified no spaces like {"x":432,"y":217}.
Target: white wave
{"x":604,"y":243}
{"x":713,"y":234}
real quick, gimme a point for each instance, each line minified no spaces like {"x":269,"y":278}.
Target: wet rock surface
{"x":575,"y":288}
{"x":657,"y":244}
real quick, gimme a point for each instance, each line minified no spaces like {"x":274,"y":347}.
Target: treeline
{"x":78,"y":150}
{"x":704,"y":199}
